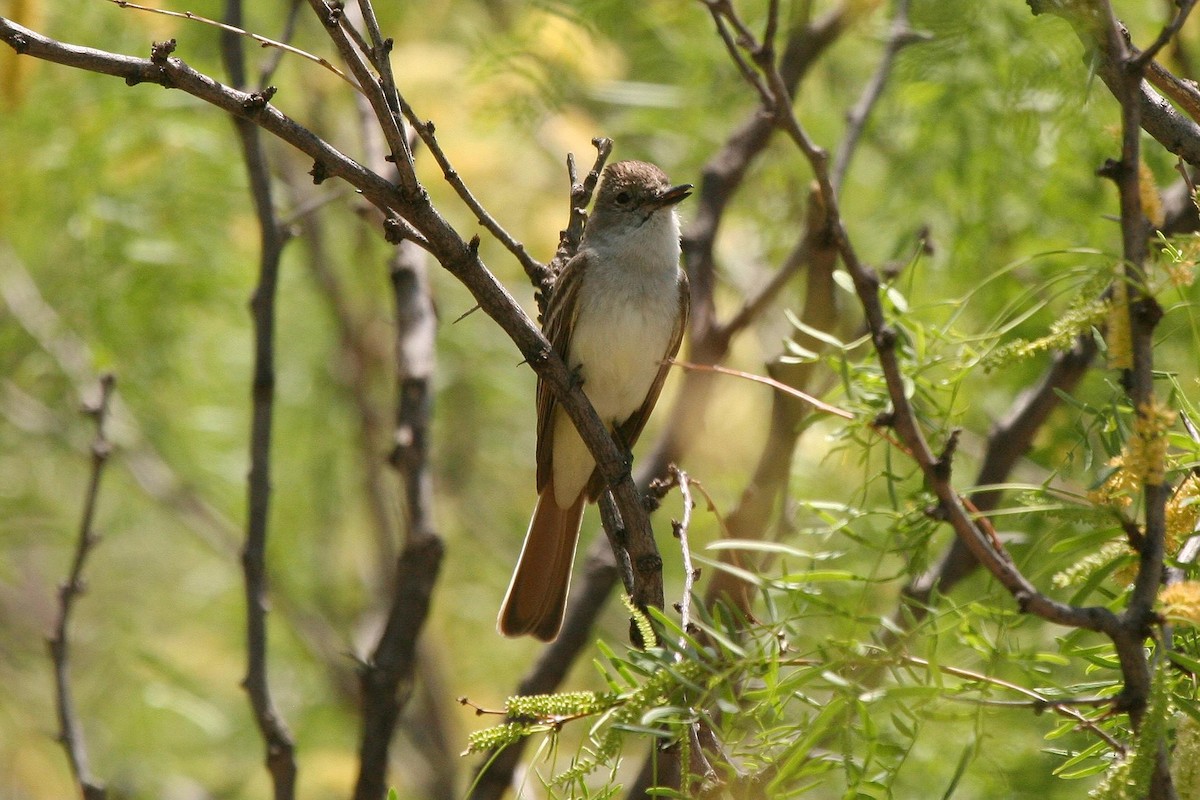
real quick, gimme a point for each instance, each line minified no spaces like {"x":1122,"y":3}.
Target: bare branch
{"x":280,"y":757}
{"x":1169,"y":31}
{"x":281,"y":47}
{"x":900,"y":36}
{"x":569,"y":237}
{"x":680,"y":529}
{"x":70,"y":731}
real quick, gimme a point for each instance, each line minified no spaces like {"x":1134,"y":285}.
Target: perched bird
{"x":616,"y":315}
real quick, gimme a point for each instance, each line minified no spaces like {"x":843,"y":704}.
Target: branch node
{"x":884,"y":419}
{"x":319,"y":173}
{"x":256,"y":101}
{"x":1148,"y":311}
{"x":1113,"y":169}
{"x":1023,"y":599}
{"x":393,"y":231}
{"x":649,"y":563}
{"x":159,"y":51}
{"x":943,"y":465}
{"x":885,"y":339}
{"x":937,"y":512}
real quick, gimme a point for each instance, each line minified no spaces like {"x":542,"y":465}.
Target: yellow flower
{"x":1180,"y":602}
{"x":1183,"y":512}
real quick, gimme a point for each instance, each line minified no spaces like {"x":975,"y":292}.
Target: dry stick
{"x":70,"y":731}
{"x":387,"y":677}
{"x":680,"y":529}
{"x":280,"y":750}
{"x":226,"y":28}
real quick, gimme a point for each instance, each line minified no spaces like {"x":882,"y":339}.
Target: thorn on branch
{"x":393,"y":232}
{"x":319,"y":173}
{"x":885,"y":339}
{"x":884,"y":419}
{"x":257,"y":101}
{"x":943,"y":465}
{"x":1113,"y":169}
{"x":1023,"y":600}
{"x":1148,"y":312}
{"x":159,"y":51}
{"x":473,"y":246}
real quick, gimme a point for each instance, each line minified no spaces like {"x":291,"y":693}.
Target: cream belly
{"x":617,"y":346}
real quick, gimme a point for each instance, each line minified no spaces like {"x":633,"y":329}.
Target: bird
{"x":616,"y":317}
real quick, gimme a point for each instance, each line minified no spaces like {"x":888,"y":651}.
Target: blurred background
{"x":128,"y":244}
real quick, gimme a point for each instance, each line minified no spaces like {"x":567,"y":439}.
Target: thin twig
{"x":1140,"y":61}
{"x":380,"y":55}
{"x":570,"y":236}
{"x":262,"y":40}
{"x":680,"y":529}
{"x":425,"y":129}
{"x":280,"y":750}
{"x":356,"y":52}
{"x":1038,"y":701}
{"x":271,"y":63}
{"x":901,"y":35}
{"x":820,"y":405}
{"x":70,"y":731}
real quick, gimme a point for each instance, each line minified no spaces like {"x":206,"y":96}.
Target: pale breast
{"x":620,"y":339}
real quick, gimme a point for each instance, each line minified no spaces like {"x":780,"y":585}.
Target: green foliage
{"x":1129,"y":778}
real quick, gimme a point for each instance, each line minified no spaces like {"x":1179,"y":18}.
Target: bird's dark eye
{"x":623,"y":198}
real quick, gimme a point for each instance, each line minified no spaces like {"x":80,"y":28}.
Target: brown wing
{"x":631,"y":428}
{"x":560,"y":321}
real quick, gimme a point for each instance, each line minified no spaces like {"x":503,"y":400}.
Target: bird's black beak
{"x":673,"y":195}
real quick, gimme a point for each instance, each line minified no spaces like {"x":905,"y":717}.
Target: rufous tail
{"x":537,"y":594}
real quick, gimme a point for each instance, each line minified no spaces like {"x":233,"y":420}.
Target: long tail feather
{"x":537,"y":594}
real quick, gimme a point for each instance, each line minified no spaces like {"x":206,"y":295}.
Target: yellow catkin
{"x":1151,"y":201}
{"x":1120,"y":343}
{"x":1147,"y":448}
{"x":1180,"y":602}
{"x":1183,"y":512}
